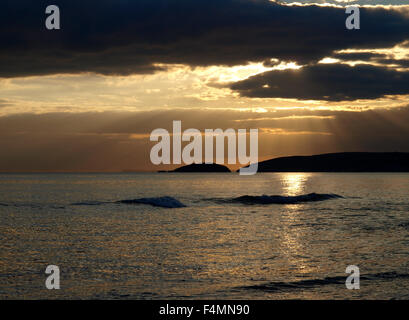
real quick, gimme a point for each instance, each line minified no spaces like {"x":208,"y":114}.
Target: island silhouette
{"x":201,"y":167}
{"x":339,"y":162}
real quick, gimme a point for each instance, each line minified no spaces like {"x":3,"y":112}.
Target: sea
{"x":205,"y":235}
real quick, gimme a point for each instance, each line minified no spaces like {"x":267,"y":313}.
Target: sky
{"x":86,"y":97}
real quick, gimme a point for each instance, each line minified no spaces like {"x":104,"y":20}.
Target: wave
{"x":169,"y":202}
{"x":311,"y":283}
{"x":24,"y":205}
{"x":264,"y":199}
{"x":164,"y":202}
{"x":90,"y":203}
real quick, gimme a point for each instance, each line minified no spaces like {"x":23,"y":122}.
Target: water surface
{"x":212,"y":248}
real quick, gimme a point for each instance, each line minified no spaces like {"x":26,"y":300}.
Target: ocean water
{"x":208,"y":243}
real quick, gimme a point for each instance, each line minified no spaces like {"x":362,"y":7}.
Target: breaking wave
{"x":264,"y":199}
{"x":164,"y":202}
{"x":170,"y":202}
{"x":31,"y":205}
{"x":306,"y":284}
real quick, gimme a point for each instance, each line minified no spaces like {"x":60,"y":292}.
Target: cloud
{"x":119,"y":37}
{"x":403,"y":63}
{"x":354,"y":56}
{"x":4,"y":103}
{"x":331,"y":82}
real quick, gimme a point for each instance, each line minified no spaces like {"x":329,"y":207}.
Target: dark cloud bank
{"x":119,"y":37}
{"x":125,"y":37}
{"x":332,"y":82}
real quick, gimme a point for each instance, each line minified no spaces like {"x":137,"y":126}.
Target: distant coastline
{"x":330,"y":162}
{"x":339,"y":162}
